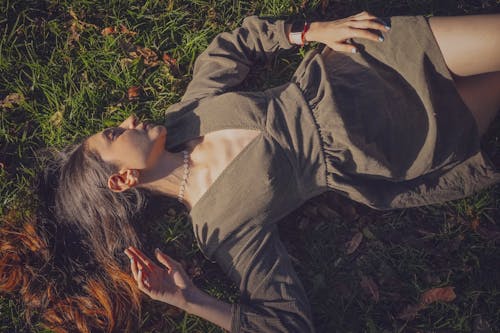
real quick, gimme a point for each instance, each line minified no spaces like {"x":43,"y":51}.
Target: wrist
{"x":192,"y":298}
{"x":310,"y":34}
{"x":296,"y":32}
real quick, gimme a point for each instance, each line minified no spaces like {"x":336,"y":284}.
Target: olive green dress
{"x":386,"y":127}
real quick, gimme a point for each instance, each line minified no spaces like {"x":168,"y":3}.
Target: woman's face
{"x":131,"y":145}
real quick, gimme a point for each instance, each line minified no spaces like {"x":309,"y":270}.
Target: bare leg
{"x":470,"y":44}
{"x":471,"y":50}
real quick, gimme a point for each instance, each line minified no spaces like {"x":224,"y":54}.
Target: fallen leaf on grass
{"x":76,"y":27}
{"x":126,"y":31}
{"x":108,"y":31}
{"x":169,"y":60}
{"x":73,"y":14}
{"x":12,"y":100}
{"x":149,"y":56}
{"x":474,"y":224}
{"x":370,"y":287}
{"x":353,"y":244}
{"x":124,"y":62}
{"x":133,"y":93}
{"x":445,"y":294}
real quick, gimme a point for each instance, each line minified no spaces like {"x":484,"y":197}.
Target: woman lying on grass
{"x":389,"y":113}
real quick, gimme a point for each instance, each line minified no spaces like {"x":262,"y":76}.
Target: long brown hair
{"x":65,"y":258}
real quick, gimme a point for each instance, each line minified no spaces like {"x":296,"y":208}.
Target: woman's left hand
{"x":170,"y":284}
{"x":336,"y":34}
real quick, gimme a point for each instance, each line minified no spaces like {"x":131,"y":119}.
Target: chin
{"x":158,"y":132}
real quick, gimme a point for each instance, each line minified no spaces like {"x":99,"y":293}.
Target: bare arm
{"x":171,"y":285}
{"x":336,"y":34}
{"x":209,"y":308}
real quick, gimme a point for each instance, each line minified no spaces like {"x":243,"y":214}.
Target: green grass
{"x":72,"y":87}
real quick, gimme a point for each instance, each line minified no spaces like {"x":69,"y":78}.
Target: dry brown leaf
{"x":353,"y":244}
{"x":12,"y":100}
{"x":149,"y":56}
{"x":73,"y":14}
{"x":126,"y":31}
{"x":475,"y":224}
{"x":133,"y":93}
{"x":169,"y":60}
{"x":124,"y":62}
{"x":75,"y":35}
{"x":108,"y":31}
{"x":445,"y":294}
{"x":370,"y":287}
{"x":76,"y":27}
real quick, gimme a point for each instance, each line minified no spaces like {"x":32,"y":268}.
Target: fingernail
{"x":354,"y":51}
{"x":380,"y":38}
{"x":132,"y":260}
{"x":140,"y":271}
{"x":388,"y":27}
{"x":157,"y":250}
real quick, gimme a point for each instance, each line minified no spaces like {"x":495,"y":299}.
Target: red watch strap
{"x":303,"y":36}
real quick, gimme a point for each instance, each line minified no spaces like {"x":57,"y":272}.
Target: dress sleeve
{"x":229,"y":57}
{"x":272,"y":296}
{"x":470,"y":176}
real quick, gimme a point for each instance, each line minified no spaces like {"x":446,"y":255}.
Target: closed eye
{"x":113,"y":132}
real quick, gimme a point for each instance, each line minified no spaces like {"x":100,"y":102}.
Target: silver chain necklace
{"x":180,"y":196}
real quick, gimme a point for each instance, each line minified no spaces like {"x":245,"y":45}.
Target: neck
{"x":167,"y":176}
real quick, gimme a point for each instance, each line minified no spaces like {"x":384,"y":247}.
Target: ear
{"x":119,"y":182}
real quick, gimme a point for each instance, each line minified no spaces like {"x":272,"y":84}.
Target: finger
{"x":135,"y":260}
{"x":140,"y":282}
{"x":369,"y":24}
{"x":361,"y":33}
{"x":166,"y":260}
{"x":364,"y":15}
{"x":142,"y":258}
{"x":345,"y":48}
{"x":133,"y":267}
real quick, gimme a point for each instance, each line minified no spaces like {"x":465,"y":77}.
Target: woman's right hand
{"x":170,"y":284}
{"x":336,"y":34}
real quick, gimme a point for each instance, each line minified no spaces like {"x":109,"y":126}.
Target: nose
{"x":130,"y":122}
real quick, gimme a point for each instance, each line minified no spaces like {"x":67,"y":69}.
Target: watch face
{"x":296,"y":38}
